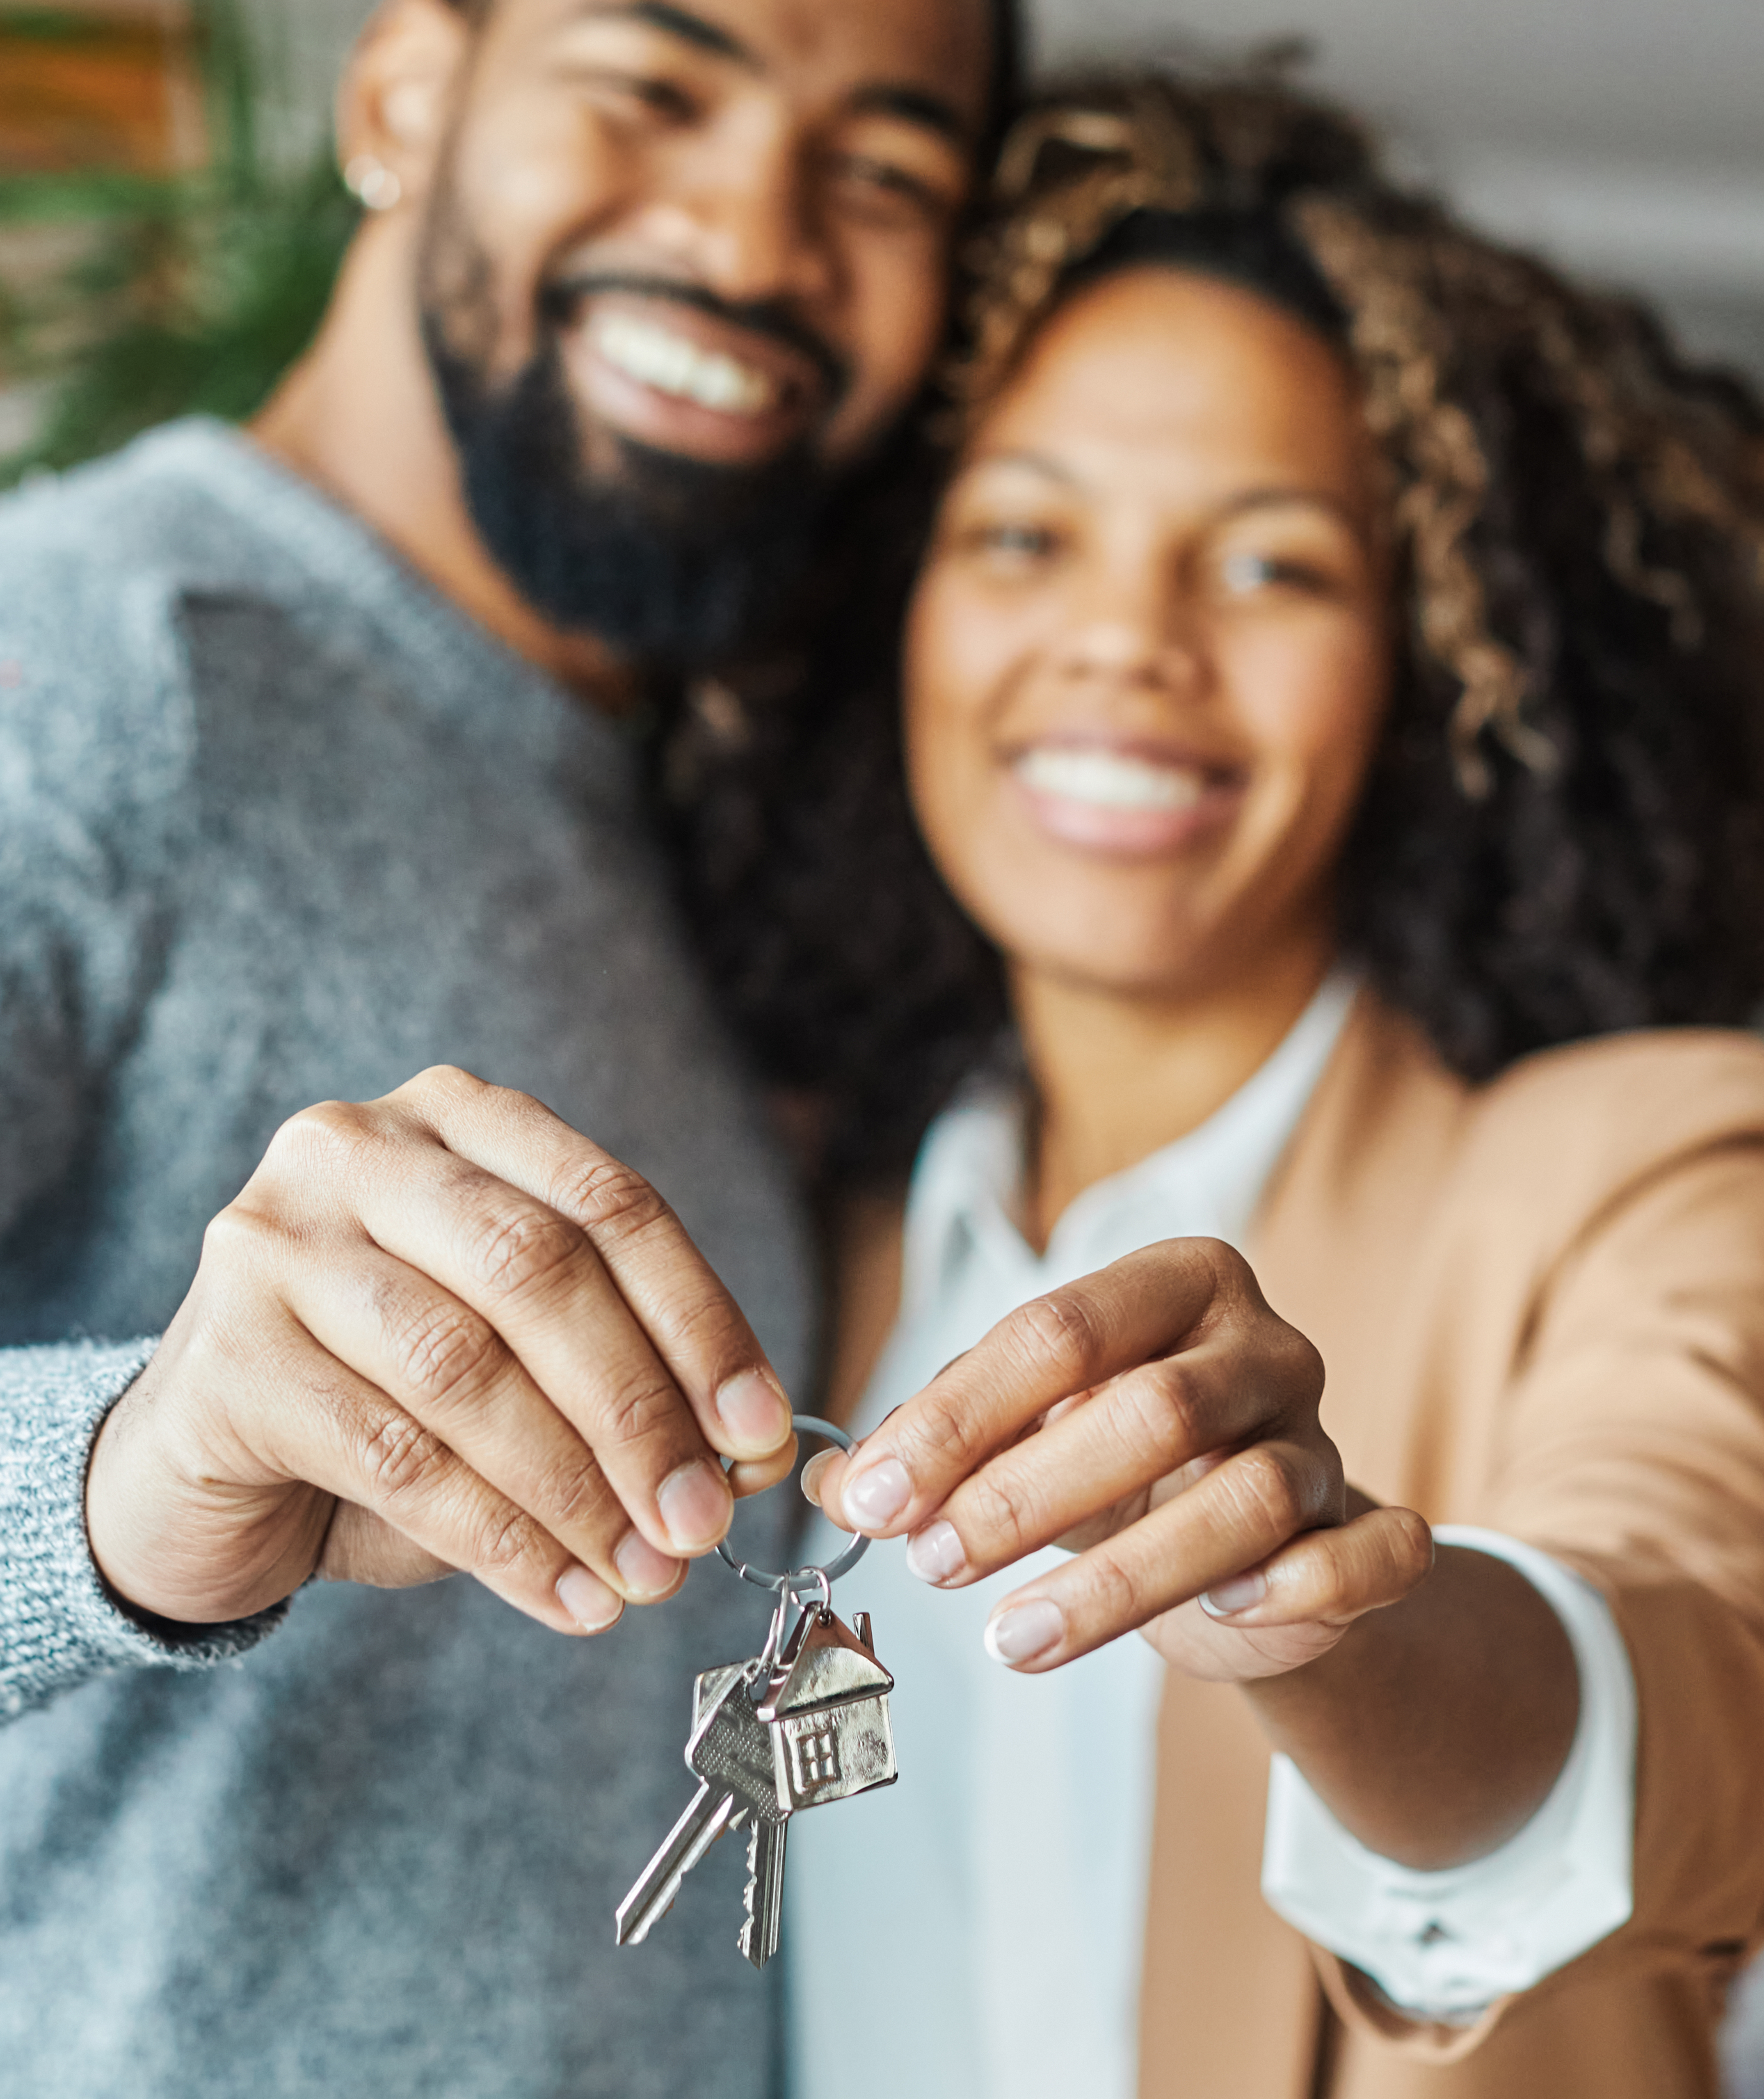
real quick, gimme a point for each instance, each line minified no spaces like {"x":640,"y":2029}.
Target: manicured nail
{"x":695,"y":1505}
{"x":814,"y":1472}
{"x":754,"y":1412}
{"x":588,"y":1600}
{"x":646,"y":1572}
{"x":875,"y":1497}
{"x":1242,"y":1592}
{"x":934,"y":1553}
{"x":1026,"y":1632}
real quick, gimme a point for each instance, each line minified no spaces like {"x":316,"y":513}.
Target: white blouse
{"x":974,"y":1931}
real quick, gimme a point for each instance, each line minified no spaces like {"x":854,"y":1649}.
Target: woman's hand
{"x":1159,"y":1420}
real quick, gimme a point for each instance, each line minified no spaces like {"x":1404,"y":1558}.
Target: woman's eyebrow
{"x":1041,"y":462}
{"x":1277,"y":498}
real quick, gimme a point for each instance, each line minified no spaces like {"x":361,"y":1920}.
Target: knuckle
{"x":1268,"y":1490}
{"x":401,"y":1458}
{"x":1118,"y":1595}
{"x":443,"y":1083}
{"x":1010,"y":1515}
{"x":443,"y":1352}
{"x":517,"y":1250}
{"x":637,"y":1407}
{"x":609,"y":1197}
{"x":1058,"y":1332}
{"x":506,"y":1538}
{"x":322,"y":1141}
{"x":241,"y":1237}
{"x":575,"y":1491}
{"x":1168,"y":1412}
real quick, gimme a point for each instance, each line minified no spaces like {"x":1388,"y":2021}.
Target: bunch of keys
{"x":804,"y":1722}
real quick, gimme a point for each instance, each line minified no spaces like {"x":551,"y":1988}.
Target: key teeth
{"x":750,"y":1896}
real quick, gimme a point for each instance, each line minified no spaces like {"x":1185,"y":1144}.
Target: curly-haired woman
{"x":1331,"y":691}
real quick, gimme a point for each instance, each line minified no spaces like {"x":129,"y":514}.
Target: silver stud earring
{"x":373,"y":181}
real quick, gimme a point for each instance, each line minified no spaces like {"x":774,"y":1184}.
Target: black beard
{"x":664,"y":559}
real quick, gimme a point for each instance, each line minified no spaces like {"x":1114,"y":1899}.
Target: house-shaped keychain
{"x":826,"y":1709}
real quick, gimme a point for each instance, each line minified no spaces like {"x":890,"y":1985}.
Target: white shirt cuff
{"x":1443,"y":1945}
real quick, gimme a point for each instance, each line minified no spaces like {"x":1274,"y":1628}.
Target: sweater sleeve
{"x":93,"y":757}
{"x":58,"y":1624}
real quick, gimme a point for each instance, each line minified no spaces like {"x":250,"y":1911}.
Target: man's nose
{"x":739,"y":211}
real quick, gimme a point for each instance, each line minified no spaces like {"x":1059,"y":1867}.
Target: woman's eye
{"x":1014,"y":542}
{"x":1243,"y":574}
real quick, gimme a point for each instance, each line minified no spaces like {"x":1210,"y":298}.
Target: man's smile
{"x":664,"y":371}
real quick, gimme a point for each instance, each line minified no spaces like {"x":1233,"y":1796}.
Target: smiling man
{"x":314,"y":773}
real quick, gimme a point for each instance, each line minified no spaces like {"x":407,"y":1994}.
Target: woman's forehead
{"x":1159,"y":372}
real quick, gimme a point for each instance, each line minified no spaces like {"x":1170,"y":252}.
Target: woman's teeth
{"x":658,"y":357}
{"x":1109,"y":779}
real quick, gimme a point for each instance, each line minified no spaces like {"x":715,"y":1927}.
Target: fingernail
{"x":646,"y":1572}
{"x":754,"y":1412}
{"x":1240,"y":1594}
{"x":934,"y":1553}
{"x":588,"y":1600}
{"x":813,"y":1472}
{"x":875,"y":1497}
{"x":1026,"y":1632}
{"x":695,"y":1504}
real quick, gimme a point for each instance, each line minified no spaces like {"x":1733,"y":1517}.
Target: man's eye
{"x":648,"y":92}
{"x":887,"y":182}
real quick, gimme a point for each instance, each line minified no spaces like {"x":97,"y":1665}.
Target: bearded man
{"x":318,"y":767}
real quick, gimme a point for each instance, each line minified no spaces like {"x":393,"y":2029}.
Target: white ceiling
{"x":1625,"y":136}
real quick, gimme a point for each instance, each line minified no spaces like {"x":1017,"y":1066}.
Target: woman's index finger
{"x":1052,"y":1349}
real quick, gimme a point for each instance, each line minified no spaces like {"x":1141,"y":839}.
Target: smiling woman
{"x":1330,"y":677}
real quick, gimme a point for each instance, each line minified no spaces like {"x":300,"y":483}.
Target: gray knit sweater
{"x":277,"y":825}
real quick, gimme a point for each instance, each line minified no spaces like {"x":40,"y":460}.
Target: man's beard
{"x":665,"y":558}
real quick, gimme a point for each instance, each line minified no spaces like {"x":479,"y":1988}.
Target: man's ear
{"x":397,"y":93}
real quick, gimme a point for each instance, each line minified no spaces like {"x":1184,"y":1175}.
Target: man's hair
{"x":1561,"y":831}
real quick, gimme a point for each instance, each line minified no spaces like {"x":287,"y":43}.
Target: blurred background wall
{"x":158,"y":167}
{"x":169,"y":218}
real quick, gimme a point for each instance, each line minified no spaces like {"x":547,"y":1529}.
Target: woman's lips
{"x":682,"y":381}
{"x":1128,"y":801}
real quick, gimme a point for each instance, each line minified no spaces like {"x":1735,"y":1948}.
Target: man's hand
{"x":1161,"y":1421}
{"x":442,"y":1330}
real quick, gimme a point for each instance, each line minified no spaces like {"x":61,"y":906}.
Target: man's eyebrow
{"x":915,"y":105}
{"x":673,"y":21}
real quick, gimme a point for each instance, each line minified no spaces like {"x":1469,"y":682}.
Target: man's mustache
{"x":559,"y":299}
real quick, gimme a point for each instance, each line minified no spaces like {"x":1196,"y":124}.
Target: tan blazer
{"x":1541,"y":1303}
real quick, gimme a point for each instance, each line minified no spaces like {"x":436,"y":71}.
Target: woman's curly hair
{"x":1562,"y":832}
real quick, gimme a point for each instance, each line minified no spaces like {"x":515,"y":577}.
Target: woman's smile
{"x":1130,"y":798}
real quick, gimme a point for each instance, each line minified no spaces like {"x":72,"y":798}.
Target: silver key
{"x":729,"y":1754}
{"x":816,"y":1731}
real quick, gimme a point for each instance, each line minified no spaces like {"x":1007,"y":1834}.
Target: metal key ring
{"x":800,"y":1579}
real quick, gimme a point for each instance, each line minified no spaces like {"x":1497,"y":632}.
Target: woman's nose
{"x":1131,"y":625}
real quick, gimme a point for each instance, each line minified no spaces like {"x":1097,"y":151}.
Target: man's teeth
{"x":1109,"y":779}
{"x":655,"y":357}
